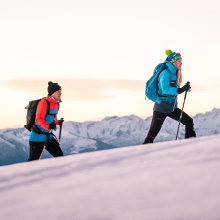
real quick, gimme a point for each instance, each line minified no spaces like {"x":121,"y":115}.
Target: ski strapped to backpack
{"x":151,"y":91}
{"x":31,"y":115}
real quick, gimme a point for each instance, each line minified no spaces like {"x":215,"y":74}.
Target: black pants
{"x":52,"y":147}
{"x":158,"y":120}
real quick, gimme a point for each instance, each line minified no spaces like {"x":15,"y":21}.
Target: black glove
{"x":186,"y":87}
{"x":61,"y":121}
{"x":53,"y":126}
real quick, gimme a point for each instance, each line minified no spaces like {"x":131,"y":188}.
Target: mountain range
{"x":111,"y":132}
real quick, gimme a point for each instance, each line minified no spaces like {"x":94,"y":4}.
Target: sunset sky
{"x":103,"y":52}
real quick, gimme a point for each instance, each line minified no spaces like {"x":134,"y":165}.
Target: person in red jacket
{"x":45,"y":123}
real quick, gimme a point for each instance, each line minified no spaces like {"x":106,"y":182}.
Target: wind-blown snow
{"x":176,"y":180}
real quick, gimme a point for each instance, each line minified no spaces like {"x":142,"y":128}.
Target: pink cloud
{"x":76,"y":89}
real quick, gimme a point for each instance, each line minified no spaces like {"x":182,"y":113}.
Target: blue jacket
{"x":167,"y":93}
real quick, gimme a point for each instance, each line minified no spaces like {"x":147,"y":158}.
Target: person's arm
{"x":164,"y":82}
{"x":57,"y":121}
{"x":41,"y":113}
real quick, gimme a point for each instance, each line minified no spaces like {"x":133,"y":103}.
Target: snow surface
{"x":176,"y":180}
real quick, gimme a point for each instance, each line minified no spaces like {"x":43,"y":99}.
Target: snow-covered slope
{"x":176,"y":180}
{"x":111,"y":132}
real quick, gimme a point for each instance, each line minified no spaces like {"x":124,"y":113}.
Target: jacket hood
{"x":52,"y":100}
{"x":171,"y":67}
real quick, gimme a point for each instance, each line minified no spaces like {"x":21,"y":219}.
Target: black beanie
{"x":52,"y":87}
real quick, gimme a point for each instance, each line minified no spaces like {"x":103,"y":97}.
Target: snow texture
{"x":176,"y":180}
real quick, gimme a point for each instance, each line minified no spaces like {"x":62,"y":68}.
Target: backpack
{"x":151,"y":90}
{"x":31,"y":112}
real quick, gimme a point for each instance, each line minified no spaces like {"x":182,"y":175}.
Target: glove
{"x":186,"y":87}
{"x":61,"y":121}
{"x":53,"y":126}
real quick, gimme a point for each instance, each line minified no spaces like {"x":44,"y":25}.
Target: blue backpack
{"x":152,"y":84}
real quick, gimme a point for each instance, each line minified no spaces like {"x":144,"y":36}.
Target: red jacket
{"x":42,"y":110}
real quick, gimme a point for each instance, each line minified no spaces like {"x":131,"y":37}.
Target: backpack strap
{"x":35,"y":128}
{"x":38,"y":131}
{"x":167,"y":97}
{"x":48,"y":108}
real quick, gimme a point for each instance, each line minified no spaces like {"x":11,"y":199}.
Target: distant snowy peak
{"x":107,"y":118}
{"x":214,"y":112}
{"x":113,"y":126}
{"x":122,"y":131}
{"x":111,"y":132}
{"x":109,"y":126}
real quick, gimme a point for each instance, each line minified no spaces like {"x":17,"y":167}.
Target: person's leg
{"x":53,"y":148}
{"x":186,"y":120}
{"x":156,"y":124}
{"x":35,"y":150}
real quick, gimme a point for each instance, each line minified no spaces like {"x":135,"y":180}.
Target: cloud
{"x":78,"y":89}
{"x":205,"y":85}
{"x":93,"y":90}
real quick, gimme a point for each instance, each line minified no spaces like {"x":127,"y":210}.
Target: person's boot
{"x":149,"y":139}
{"x":189,"y":132}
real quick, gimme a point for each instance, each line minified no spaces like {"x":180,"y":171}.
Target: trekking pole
{"x":45,"y":144}
{"x":181,"y":113}
{"x":60,"y":130}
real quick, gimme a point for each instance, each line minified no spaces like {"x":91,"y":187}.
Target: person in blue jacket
{"x":166,"y":103}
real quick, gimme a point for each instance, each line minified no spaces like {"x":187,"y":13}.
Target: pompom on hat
{"x":172,"y":56}
{"x":53,"y":87}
